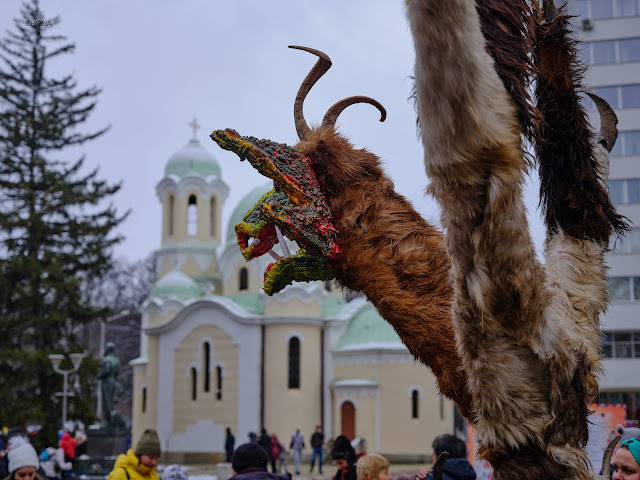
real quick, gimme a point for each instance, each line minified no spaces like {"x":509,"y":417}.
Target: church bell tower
{"x":192,"y":194}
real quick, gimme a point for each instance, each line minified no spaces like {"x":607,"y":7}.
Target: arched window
{"x":170,"y":214}
{"x":192,"y":215}
{"x":212,"y":217}
{"x":144,"y":399}
{"x":194,"y":383}
{"x":219,"y":382}
{"x":206,"y":358}
{"x":294,"y":362}
{"x":244,"y":279}
{"x":414,"y":404}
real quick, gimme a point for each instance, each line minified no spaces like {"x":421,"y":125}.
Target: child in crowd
{"x":174,"y":472}
{"x":53,"y":463}
{"x":373,"y":467}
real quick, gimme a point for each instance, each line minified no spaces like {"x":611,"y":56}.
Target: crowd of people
{"x":55,"y":462}
{"x":251,"y":461}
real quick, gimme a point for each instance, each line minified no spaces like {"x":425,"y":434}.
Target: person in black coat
{"x":456,"y":467}
{"x":264,"y":440}
{"x":229,"y":443}
{"x":345,"y":457}
{"x":249,"y":462}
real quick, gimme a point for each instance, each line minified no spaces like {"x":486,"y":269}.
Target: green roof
{"x":368,"y":330}
{"x":176,"y":284}
{"x":251,"y":302}
{"x":246,"y":204}
{"x":331,"y":306}
{"x":192,"y":159}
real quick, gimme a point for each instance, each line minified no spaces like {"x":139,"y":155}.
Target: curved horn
{"x":439,"y":466}
{"x":332,"y":114}
{"x":606,"y":459}
{"x":548,"y":12}
{"x":608,"y":121}
{"x":319,"y":69}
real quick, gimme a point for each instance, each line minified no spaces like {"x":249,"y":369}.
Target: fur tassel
{"x":572,"y":196}
{"x":508,"y":28}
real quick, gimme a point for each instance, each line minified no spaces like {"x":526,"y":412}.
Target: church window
{"x":170,"y":219}
{"x":219,"y":382}
{"x":244,"y":279}
{"x":144,"y":399}
{"x":192,"y":216}
{"x":294,"y":362}
{"x":206,"y":354}
{"x":212,"y":217}
{"x":194,"y":383}
{"x":414,"y":404}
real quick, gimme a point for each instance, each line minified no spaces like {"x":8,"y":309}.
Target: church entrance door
{"x":348,"y":415}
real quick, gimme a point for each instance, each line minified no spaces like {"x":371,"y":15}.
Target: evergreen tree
{"x":54,"y":231}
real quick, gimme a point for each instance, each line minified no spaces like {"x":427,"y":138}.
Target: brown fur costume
{"x":514,"y":343}
{"x":391,"y":254}
{"x":526,"y":336}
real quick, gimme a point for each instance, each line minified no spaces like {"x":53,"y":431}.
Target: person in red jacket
{"x":68,"y":446}
{"x":275,"y":452}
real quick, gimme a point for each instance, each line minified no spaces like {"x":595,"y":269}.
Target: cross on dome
{"x":195,"y":126}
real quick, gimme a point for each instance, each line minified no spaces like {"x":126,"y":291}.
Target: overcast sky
{"x":161,"y":63}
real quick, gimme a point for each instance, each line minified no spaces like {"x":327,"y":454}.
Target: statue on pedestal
{"x":108,"y":375}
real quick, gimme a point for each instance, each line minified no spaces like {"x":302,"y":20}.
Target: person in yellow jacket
{"x":140,"y":462}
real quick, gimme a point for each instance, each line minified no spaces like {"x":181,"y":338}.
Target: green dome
{"x":192,"y":159}
{"x":246,"y":204}
{"x":176,"y":284}
{"x":368,"y":330}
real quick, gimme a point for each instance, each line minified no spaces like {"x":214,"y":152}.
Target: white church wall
{"x":434,"y":412}
{"x":288,"y":408}
{"x":219,"y":405}
{"x":203,"y":436}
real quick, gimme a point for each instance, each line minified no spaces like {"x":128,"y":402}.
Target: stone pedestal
{"x":105,"y":443}
{"x":103,"y":447}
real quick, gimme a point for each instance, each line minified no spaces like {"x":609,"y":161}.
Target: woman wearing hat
{"x":345,"y":458}
{"x":23,"y":463}
{"x":140,"y":462}
{"x":626,"y":461}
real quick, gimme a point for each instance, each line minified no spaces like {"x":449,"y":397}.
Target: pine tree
{"x":54,"y":230}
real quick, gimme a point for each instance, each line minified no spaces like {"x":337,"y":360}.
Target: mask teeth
{"x":274,"y":255}
{"x":283,"y":244}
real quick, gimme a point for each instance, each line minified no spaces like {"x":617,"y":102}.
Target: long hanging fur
{"x":516,"y":356}
{"x":578,"y":212}
{"x":572,"y":197}
{"x":508,"y":28}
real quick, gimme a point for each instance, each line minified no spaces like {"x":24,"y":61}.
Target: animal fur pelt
{"x":527,"y":337}
{"x":390,"y":254}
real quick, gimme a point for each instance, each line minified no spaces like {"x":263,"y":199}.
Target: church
{"x":217,"y":352}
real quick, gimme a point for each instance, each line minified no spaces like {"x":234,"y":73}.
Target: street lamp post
{"x":76,"y":360}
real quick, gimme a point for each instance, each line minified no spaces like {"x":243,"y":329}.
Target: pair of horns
{"x":319,"y":69}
